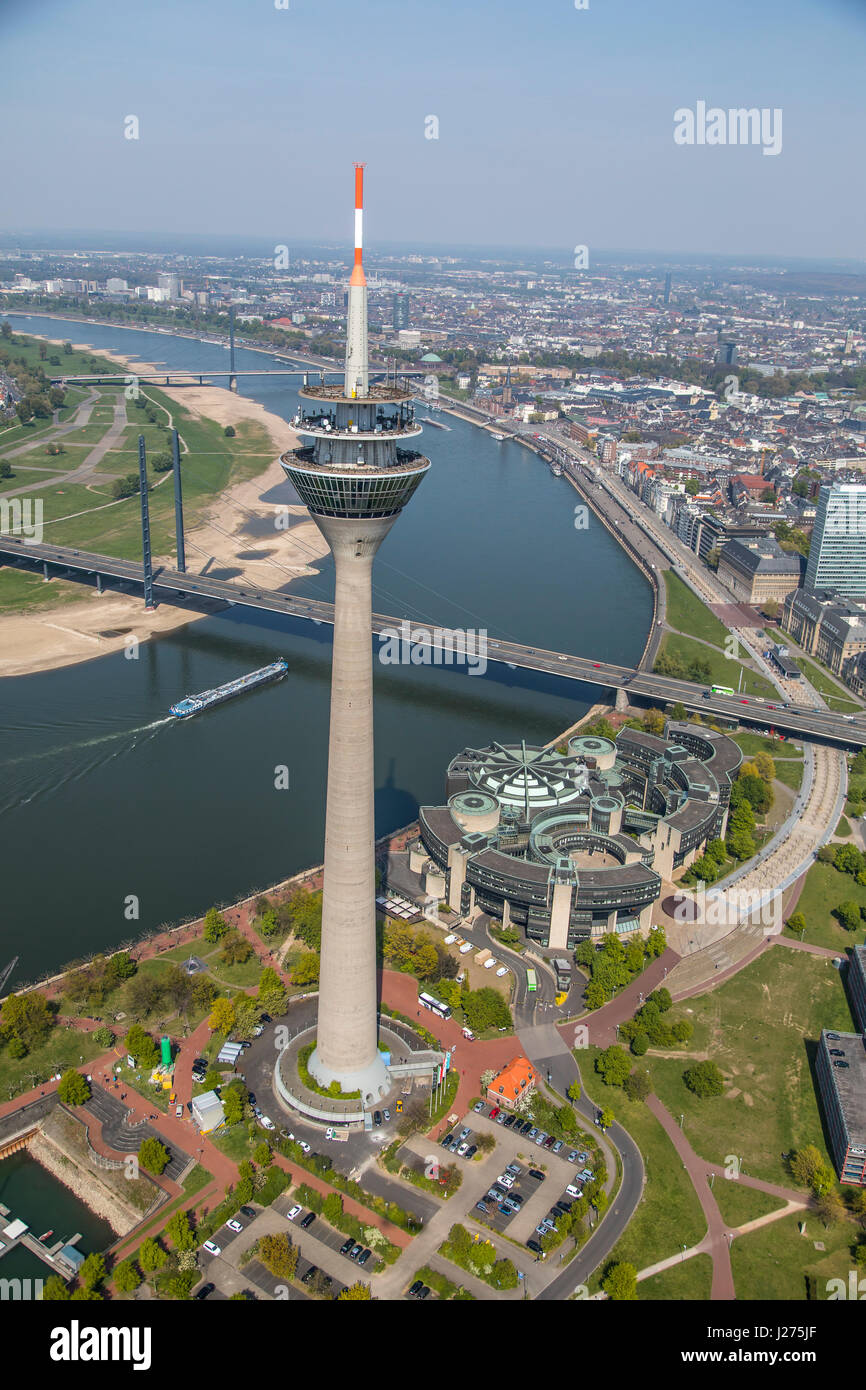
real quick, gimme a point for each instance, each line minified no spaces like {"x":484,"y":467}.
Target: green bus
{"x":531,"y":982}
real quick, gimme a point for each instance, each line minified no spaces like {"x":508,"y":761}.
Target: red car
{"x":744,"y":702}
{"x":494,"y":1112}
{"x":597,"y":665}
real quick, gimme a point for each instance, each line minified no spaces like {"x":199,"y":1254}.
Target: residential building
{"x":857,"y":986}
{"x":757,"y":570}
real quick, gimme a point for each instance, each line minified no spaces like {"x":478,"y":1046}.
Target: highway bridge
{"x":172,"y":585}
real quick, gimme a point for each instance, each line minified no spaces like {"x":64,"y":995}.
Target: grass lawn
{"x":195,"y":1181}
{"x":63,"y":1048}
{"x":21,"y":590}
{"x":761,"y":1028}
{"x":669,"y":1214}
{"x":235,"y":1143}
{"x":776,"y":1262}
{"x":739,"y":1203}
{"x":723,"y":669}
{"x":690,"y":1279}
{"x":827,"y":686}
{"x":843,"y":828}
{"x":824,"y":889}
{"x":441,"y":1286}
{"x":759,"y":743}
{"x":686,"y":613}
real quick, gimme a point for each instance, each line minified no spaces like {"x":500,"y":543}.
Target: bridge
{"x":199,"y":590}
{"x":183,"y":377}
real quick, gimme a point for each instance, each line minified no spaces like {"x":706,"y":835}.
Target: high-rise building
{"x":837,"y":554}
{"x":401,"y":310}
{"x":726,"y":352}
{"x":167,"y":280}
{"x":668,"y":288}
{"x":355,"y":477}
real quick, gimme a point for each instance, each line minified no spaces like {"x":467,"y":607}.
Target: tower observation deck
{"x":356,"y":476}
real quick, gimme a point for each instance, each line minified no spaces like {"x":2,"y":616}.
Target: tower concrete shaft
{"x":347,"y":1029}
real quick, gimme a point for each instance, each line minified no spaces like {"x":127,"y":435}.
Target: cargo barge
{"x":193,"y":704}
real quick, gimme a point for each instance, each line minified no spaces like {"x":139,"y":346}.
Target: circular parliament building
{"x":567,"y":846}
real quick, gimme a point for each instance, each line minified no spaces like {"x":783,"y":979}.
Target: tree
{"x":54,"y":1289}
{"x":153,"y":1156}
{"x":73,"y":1089}
{"x":235,"y":948}
{"x":229,"y":431}
{"x":332,"y":1209}
{"x":215,"y":925}
{"x":247,"y":1012}
{"x":637,"y":1085}
{"x":125,"y":487}
{"x":796,"y":922}
{"x":233,"y":1104}
{"x":144,"y":995}
{"x":594,"y":996}
{"x":830,"y":1207}
{"x":204,"y":992}
{"x":92,"y":1272}
{"x":704,"y":1079}
{"x":26,"y":1017}
{"x":222,"y":1018}
{"x":151,"y":1256}
{"x":606,"y":1118}
{"x":614,"y":1065}
{"x":278,"y":1255}
{"x":661,"y":997}
{"x":574,"y":1092}
{"x":84,"y":1295}
{"x":272,"y":992}
{"x":810,"y":1168}
{"x":620,"y":1283}
{"x":656,"y":942}
{"x":765,"y":765}
{"x":176,"y":987}
{"x":640,"y":1044}
{"x":305,"y":970}
{"x":504,"y":1275}
{"x":654,"y":722}
{"x":356,"y":1292}
{"x":486,"y":1008}
{"x":126,"y":1277}
{"x":262,"y":1154}
{"x":848,"y":914}
{"x":178,"y":1230}
{"x":141,"y":1046}
{"x":161,"y":463}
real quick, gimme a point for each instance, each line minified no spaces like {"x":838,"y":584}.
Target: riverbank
{"x":85,"y":1186}
{"x":230,"y":536}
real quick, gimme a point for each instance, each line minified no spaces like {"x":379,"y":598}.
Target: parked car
{"x":266,"y":1123}
{"x":550,"y":1143}
{"x":386,"y":1115}
{"x":465,"y":1133}
{"x":448,"y":1141}
{"x":517,"y":1198}
{"x":364,"y":1257}
{"x":234,"y":1225}
{"x":212,"y":1248}
{"x":572,"y":1190}
{"x":305,"y":1146}
{"x":310,"y":1274}
{"x":178,"y":1112}
{"x":505,"y":1179}
{"x":572,"y":1157}
{"x":534,"y":1246}
{"x":482,"y":1206}
{"x":462,"y":1148}
{"x":503,"y":970}
{"x":489,"y":963}
{"x":510,"y":1205}
{"x":450,"y":938}
{"x":467,"y":946}
{"x":540,"y":1137}
{"x":513,"y":1168}
{"x":347,"y":1246}
{"x":204,"y":1291}
{"x":355,"y":1252}
{"x":501,"y":1117}
{"x":532,"y":1132}
{"x":510,"y":1122}
{"x":494,"y":1113}
{"x":478,"y":1107}
{"x":293,"y":1212}
{"x":557,"y":1146}
{"x":504,"y":1210}
{"x":415,"y":1288}
{"x":248,"y":1211}
{"x":537,"y":1174}
{"x":308,"y":1220}
{"x":425,"y":1292}
{"x":472,"y":1151}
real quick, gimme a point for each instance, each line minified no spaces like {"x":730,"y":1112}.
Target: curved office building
{"x":570,"y":845}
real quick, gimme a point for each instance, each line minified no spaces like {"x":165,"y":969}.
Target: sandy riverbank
{"x":237,"y":539}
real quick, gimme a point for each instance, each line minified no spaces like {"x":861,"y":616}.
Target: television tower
{"x":355,"y":479}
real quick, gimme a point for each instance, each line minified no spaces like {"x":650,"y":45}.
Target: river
{"x":104,"y":798}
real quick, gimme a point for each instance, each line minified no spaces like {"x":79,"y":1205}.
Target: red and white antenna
{"x":358,"y":277}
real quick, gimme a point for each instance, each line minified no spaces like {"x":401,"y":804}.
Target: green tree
{"x":637,"y":1085}
{"x":178,"y":1230}
{"x":704,"y":1079}
{"x":54,"y":1290}
{"x":235,"y":948}
{"x":222,"y":1017}
{"x":272,"y":992}
{"x":278,"y":1255}
{"x":640,"y":1044}
{"x":620,"y":1283}
{"x":356,"y":1292}
{"x":73,"y":1088}
{"x":614,"y":1065}
{"x":810,"y":1168}
{"x":151,"y":1256}
{"x":305,"y":970}
{"x":332,"y":1209}
{"x":233,"y":1104}
{"x":606,"y":1118}
{"x":153,"y":1156}
{"x":215,"y":925}
{"x":574,"y":1091}
{"x":142,"y":1047}
{"x":848,"y":914}
{"x":126,"y":1277}
{"x":27,"y":1017}
{"x":92,"y":1271}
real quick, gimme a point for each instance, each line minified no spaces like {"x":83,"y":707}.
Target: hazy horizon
{"x":555,"y":125}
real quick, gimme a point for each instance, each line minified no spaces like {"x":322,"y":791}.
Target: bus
{"x":721,"y":690}
{"x":428,"y":1001}
{"x":531,"y":982}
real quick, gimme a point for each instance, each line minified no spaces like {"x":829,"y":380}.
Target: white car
{"x":505,"y":1179}
{"x":467,"y":946}
{"x":503,"y":970}
{"x":234,"y":1225}
{"x":489,"y":963}
{"x":461,"y":1148}
{"x":305,"y":1146}
{"x":295,"y":1211}
{"x":267,"y":1123}
{"x":452,"y":936}
{"x":211,"y":1248}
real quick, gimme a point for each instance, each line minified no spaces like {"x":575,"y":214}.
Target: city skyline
{"x":571,"y":110}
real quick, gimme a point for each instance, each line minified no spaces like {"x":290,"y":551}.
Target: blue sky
{"x":555,"y":124}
